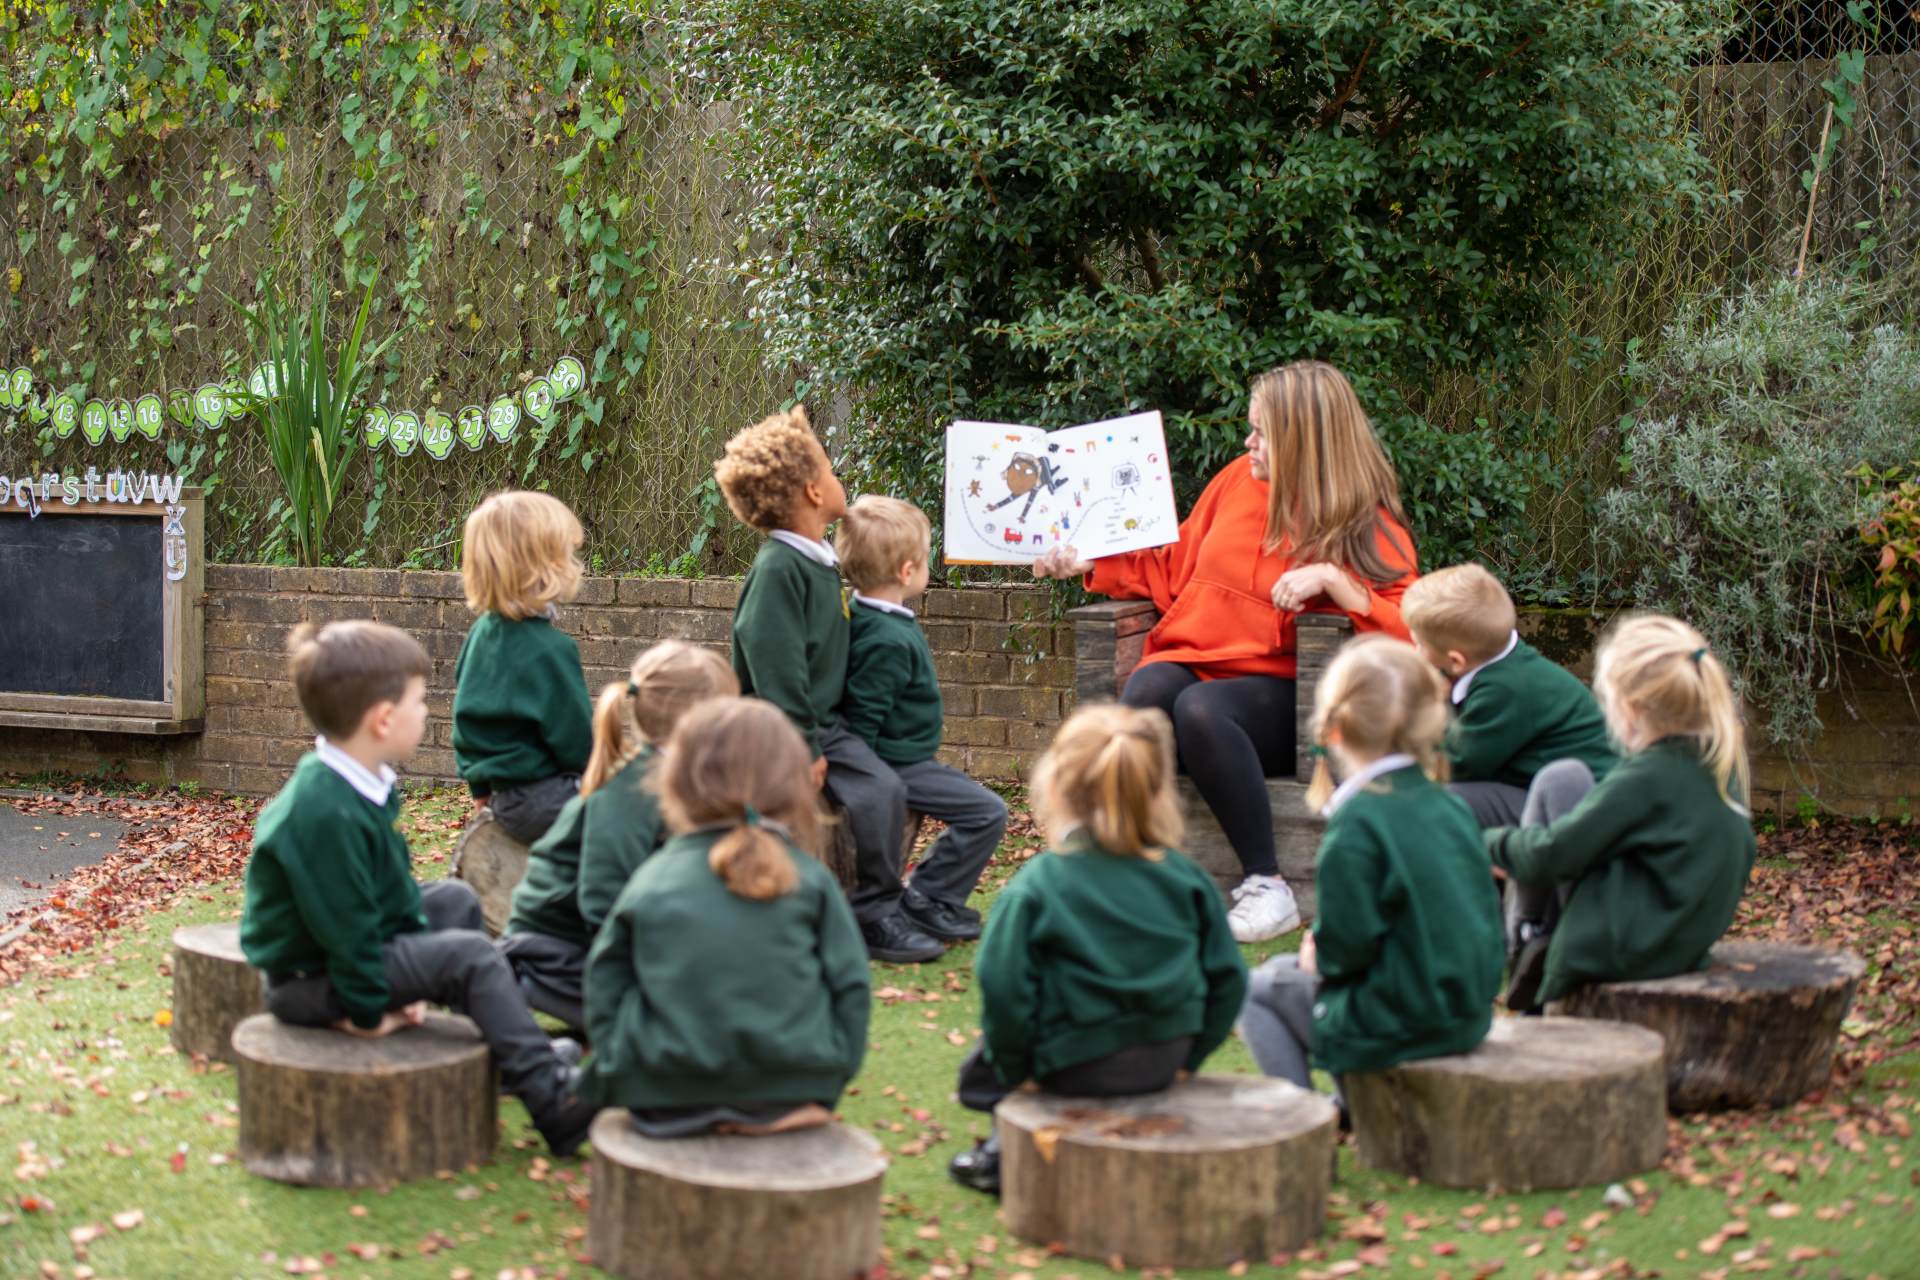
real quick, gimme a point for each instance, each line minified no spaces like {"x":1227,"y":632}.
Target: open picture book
{"x":1016,"y":492}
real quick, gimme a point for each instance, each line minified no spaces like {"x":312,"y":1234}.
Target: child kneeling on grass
{"x":893,"y":704}
{"x":576,"y":871}
{"x":1403,"y":960}
{"x":1107,"y":968}
{"x":333,"y":916}
{"x":728,"y":990}
{"x":1641,"y":878}
{"x":522,"y":725}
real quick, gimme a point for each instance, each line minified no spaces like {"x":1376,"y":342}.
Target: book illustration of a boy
{"x":1028,"y":476}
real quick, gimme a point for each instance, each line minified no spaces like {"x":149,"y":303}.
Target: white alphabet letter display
{"x":174,"y":536}
{"x":1015,"y":492}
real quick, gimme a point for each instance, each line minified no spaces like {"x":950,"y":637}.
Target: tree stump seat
{"x":1541,"y":1103}
{"x":323,"y":1108}
{"x":493,"y":862}
{"x":1216,"y":1170}
{"x":214,"y":989}
{"x":1756,"y":1027}
{"x":802,"y":1206}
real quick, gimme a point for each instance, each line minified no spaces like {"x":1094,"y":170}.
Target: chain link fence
{"x":130,"y":286}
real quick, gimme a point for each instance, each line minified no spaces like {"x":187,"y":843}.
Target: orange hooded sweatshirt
{"x":1214,"y":587}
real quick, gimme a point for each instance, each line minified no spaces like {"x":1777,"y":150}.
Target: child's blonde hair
{"x":1327,"y":476}
{"x":877,"y":536}
{"x":739,"y":763}
{"x":1662,"y":670}
{"x":1461,"y":608}
{"x":520,"y":554}
{"x":1111,"y":770}
{"x":642,"y":710}
{"x":765,"y":466}
{"x":1380,"y":697}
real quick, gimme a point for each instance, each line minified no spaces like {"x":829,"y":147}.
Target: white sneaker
{"x":1263,"y":908}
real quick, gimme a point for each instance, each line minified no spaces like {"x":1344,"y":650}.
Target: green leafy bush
{"x":1892,"y":534}
{"x":1738,"y":506}
{"x":1037,"y":211}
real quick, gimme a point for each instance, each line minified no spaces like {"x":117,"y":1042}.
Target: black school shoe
{"x":566,"y":1126}
{"x":941,"y":919}
{"x":898,"y":940}
{"x":1529,"y":971}
{"x":978,"y":1169}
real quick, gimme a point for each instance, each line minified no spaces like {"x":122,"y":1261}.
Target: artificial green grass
{"x":101,"y":1118}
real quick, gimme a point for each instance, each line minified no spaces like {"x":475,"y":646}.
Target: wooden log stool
{"x":802,"y":1206}
{"x":214,"y":988}
{"x":492,"y":862}
{"x":323,"y":1108}
{"x":1541,"y":1103}
{"x":1217,"y":1170}
{"x":1756,"y":1027}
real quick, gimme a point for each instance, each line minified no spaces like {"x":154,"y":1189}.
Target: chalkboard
{"x":82,"y":606}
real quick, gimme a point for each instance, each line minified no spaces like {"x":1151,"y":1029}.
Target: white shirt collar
{"x":375,"y":787}
{"x":1385,"y":764}
{"x":884,"y":606}
{"x":1461,"y":685}
{"x":818,"y":552}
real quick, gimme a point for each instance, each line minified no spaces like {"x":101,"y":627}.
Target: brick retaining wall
{"x":1005,"y":667}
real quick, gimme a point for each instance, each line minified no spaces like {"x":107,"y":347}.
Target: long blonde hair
{"x":739,"y":763}
{"x":1111,"y":770}
{"x":1328,"y":479}
{"x":1380,"y":697}
{"x":520,"y":553}
{"x":1662,"y":670}
{"x":663,"y":683}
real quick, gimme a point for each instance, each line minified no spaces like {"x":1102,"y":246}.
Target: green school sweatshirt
{"x":329,"y":881}
{"x":790,"y":637}
{"x":892,"y":698}
{"x":579,"y":867}
{"x":1087,"y":953}
{"x":1407,"y":932}
{"x":1657,"y":862}
{"x":520,"y":706}
{"x":1521,"y":714}
{"x":697,"y":996}
{"x":624,"y":827}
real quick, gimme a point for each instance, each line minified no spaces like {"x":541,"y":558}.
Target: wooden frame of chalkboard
{"x":103,"y":601}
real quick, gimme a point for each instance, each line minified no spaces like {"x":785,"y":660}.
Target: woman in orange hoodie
{"x":1309,"y":521}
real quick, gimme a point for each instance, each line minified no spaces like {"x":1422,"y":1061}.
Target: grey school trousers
{"x":453,"y":963}
{"x":1277,"y":1019}
{"x":975,"y":817}
{"x":527,"y":810}
{"x":1555,"y":790}
{"x":875,"y":800}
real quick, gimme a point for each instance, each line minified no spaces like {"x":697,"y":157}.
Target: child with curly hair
{"x":791,"y":632}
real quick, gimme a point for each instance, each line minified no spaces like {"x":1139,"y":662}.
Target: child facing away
{"x":579,"y":867}
{"x":728,"y":990}
{"x":333,"y":916}
{"x":1641,"y":877}
{"x":790,"y":638}
{"x":1525,"y":729}
{"x":1404,"y":957}
{"x":1108,"y":967}
{"x":522,"y":724}
{"x":893,"y":704}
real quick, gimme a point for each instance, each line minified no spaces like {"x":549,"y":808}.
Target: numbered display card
{"x":1014,"y":492}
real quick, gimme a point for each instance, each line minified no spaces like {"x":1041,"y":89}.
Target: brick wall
{"x":995,"y":649}
{"x":1005,"y":668}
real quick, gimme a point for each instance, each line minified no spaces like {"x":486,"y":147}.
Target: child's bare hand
{"x":1309,"y":954}
{"x":415,"y":1014}
{"x":391,"y":1021}
{"x":479,"y":803}
{"x":1060,"y":561}
{"x":819,"y":773}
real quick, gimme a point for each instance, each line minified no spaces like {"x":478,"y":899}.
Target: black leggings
{"x":1233,"y":735}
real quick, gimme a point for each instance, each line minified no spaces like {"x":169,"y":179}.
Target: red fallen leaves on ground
{"x":173,"y":843}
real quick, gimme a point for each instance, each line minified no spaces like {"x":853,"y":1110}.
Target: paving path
{"x":42,"y":849}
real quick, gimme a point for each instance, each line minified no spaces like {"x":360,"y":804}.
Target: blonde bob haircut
{"x":1462,"y":608}
{"x":739,"y":764}
{"x":642,"y":710}
{"x":520,"y":554}
{"x":1328,"y":479}
{"x":1661,"y":671}
{"x":1110,"y":771}
{"x":1379,"y":697}
{"x":877,"y":536}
